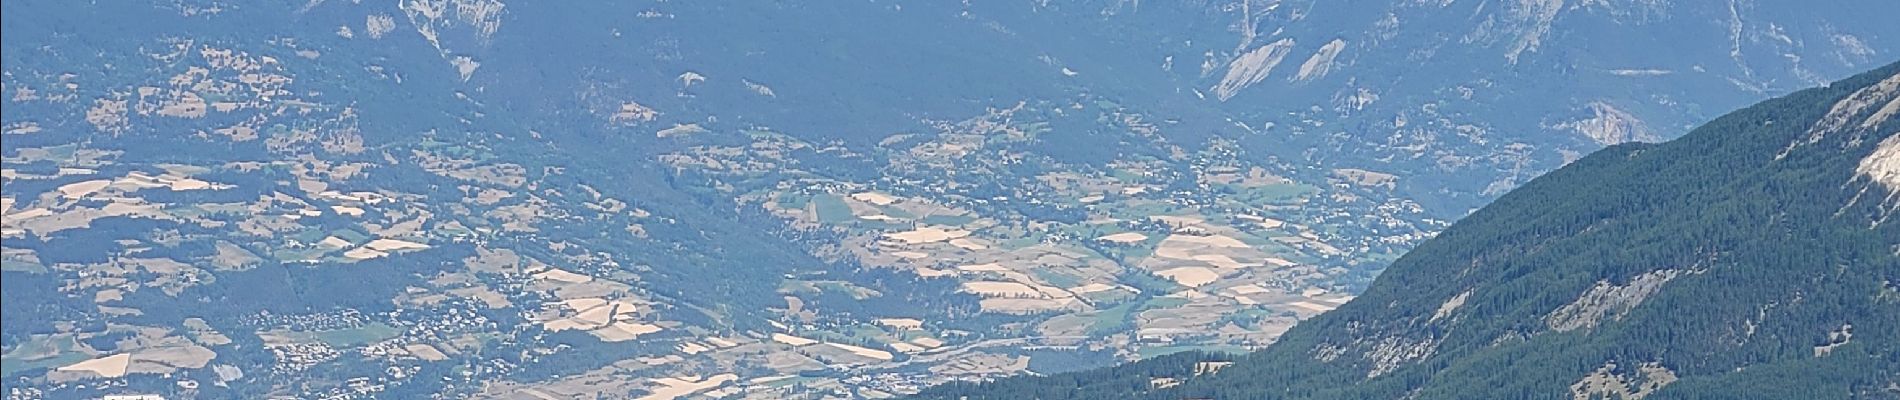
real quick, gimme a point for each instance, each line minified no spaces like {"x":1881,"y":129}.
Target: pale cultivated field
{"x":204,"y":334}
{"x":1067,"y":325}
{"x":624,"y":331}
{"x":363,"y":253}
{"x":1220,"y":261}
{"x":1124,"y":237}
{"x":1030,"y":305}
{"x":692,"y":348}
{"x":929,"y":343}
{"x":1001,"y":289}
{"x":232,"y":257}
{"x":334,"y":242}
{"x":108,"y":295}
{"x":874,"y":198}
{"x":612,"y":321}
{"x":927,"y":235}
{"x":347,"y":210}
{"x":586,"y":305}
{"x":1191,"y":276}
{"x":1091,"y":288}
{"x":985,"y":267}
{"x":676,"y":387}
{"x":425,"y":352}
{"x":866,"y":352}
{"x":970,"y":244}
{"x":1247,"y":289}
{"x":680,"y":130}
{"x":482,"y":293}
{"x":391,"y":245}
{"x":1180,"y":220}
{"x":79,"y":190}
{"x":631,"y":112}
{"x":178,"y":354}
{"x":1313,"y":306}
{"x":1366,"y":178}
{"x":562,"y":275}
{"x":982,"y":364}
{"x":112,"y":366}
{"x":901,"y":323}
{"x":42,"y":221}
{"x":794,"y":341}
{"x":1203,"y":241}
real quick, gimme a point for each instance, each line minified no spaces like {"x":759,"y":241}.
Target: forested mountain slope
{"x":1756,"y":257}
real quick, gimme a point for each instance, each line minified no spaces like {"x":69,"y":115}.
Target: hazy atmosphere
{"x":858,"y":199}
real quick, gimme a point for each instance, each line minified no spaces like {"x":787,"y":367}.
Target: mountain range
{"x":489,"y":199}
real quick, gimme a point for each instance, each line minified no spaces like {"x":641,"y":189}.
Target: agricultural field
{"x":1119,"y":266}
{"x":504,"y":199}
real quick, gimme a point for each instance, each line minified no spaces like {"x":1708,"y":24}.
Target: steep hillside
{"x":1756,"y":257}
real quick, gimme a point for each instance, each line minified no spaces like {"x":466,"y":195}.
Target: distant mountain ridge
{"x":1756,"y":257}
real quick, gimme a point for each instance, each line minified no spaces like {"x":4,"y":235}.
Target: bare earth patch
{"x":1124,"y":237}
{"x":112,"y":366}
{"x":676,"y":387}
{"x":425,"y":352}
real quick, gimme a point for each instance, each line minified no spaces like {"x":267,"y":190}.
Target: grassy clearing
{"x":832,"y":210}
{"x":796,"y":380}
{"x":1163,"y":302}
{"x":1057,"y":278}
{"x":1147,"y":208}
{"x":1133,"y":254}
{"x":372,"y":333}
{"x":12,"y":265}
{"x":351,"y":235}
{"x":1020,"y":242}
{"x":1248,"y":316}
{"x":1149,"y":283}
{"x":793,"y":201}
{"x":18,"y":360}
{"x":1273,"y":194}
{"x":1035,"y":128}
{"x":1152,"y":352}
{"x":948,"y":220}
{"x":62,"y":152}
{"x":881,"y":225}
{"x":299,"y":255}
{"x":819,"y":287}
{"x":309,"y":235}
{"x":895,"y":212}
{"x":1126,"y":176}
{"x":1112,"y":320}
{"x":452,"y":231}
{"x":1108,"y":296}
